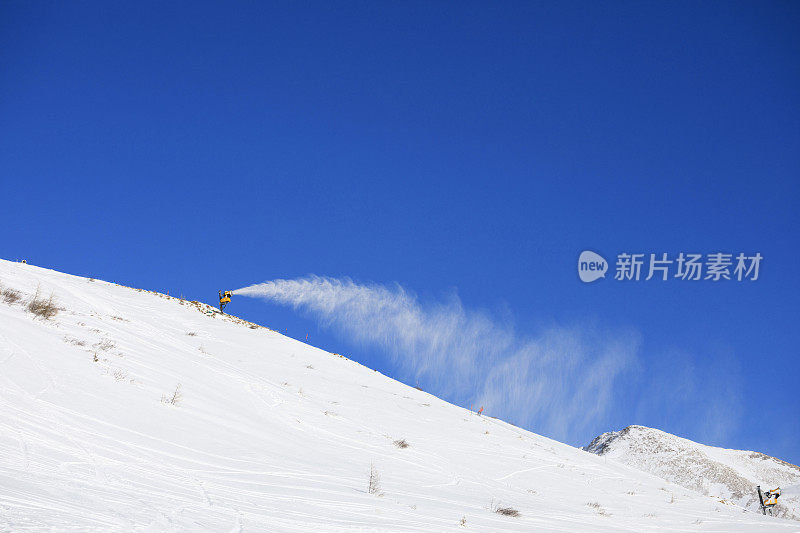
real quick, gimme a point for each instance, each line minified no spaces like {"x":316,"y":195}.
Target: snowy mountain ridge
{"x":723,"y":473}
{"x":128,"y":410}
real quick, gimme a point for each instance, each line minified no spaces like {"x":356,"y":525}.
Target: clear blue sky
{"x":471,"y":146}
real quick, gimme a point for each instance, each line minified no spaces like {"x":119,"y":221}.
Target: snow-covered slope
{"x":728,"y":474}
{"x":269,"y":434}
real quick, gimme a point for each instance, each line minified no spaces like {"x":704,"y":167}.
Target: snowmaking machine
{"x":224,"y":299}
{"x":768,"y":499}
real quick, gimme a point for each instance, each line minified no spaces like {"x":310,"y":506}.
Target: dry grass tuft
{"x":401,"y":443}
{"x":74,"y":341}
{"x":374,"y":480}
{"x":105,"y":345}
{"x":176,"y":397}
{"x":503,"y":510}
{"x":599,"y":508}
{"x":11,"y":296}
{"x":42,"y":308}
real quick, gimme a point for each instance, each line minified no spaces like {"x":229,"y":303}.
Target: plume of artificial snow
{"x":560,"y":382}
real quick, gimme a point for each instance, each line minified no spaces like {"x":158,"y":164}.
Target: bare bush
{"x":401,"y":443}
{"x":192,"y":333}
{"x":463,"y":522}
{"x":11,"y":296}
{"x":374,"y":480}
{"x":506,"y":511}
{"x":74,"y":341}
{"x":176,"y":397}
{"x":43,"y":308}
{"x":599,"y":508}
{"x":105,"y":345}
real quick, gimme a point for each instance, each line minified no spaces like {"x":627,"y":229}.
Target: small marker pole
{"x":761,"y":499}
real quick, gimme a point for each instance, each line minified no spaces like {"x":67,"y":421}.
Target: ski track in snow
{"x":272,"y":435}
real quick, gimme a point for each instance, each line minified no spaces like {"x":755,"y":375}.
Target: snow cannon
{"x":224,"y":299}
{"x":768,"y":499}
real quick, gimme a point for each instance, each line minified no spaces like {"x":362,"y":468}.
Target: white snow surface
{"x":719,"y":472}
{"x":271,"y":434}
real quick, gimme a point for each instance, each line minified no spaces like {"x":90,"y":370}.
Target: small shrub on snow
{"x":176,"y":397}
{"x":43,"y":308}
{"x":401,"y":443}
{"x":599,"y":508}
{"x":11,"y":296}
{"x":374,"y":480}
{"x":73,"y":341}
{"x":105,"y":345}
{"x":506,"y":511}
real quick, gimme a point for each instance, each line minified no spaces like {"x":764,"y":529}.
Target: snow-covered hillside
{"x":727,"y":474}
{"x":132,"y":410}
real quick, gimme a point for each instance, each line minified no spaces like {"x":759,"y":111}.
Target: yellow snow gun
{"x":224,"y":299}
{"x":768,"y":499}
